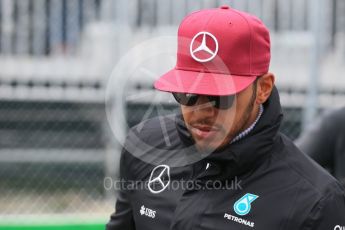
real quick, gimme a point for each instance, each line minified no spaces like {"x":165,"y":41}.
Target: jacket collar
{"x":240,"y":157}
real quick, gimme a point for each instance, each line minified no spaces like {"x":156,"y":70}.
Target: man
{"x":227,"y":134}
{"x":324,"y":141}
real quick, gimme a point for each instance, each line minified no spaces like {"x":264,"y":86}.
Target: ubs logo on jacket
{"x":147,"y":212}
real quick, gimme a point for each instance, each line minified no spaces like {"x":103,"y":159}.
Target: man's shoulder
{"x":335,"y":114}
{"x":332,"y":121}
{"x":303,"y":169}
{"x":153,"y":128}
{"x":150,"y":143}
{"x":308,"y":191}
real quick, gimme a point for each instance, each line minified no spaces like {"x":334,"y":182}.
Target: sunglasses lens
{"x":227,"y":102}
{"x":222,"y":102}
{"x":187,"y":99}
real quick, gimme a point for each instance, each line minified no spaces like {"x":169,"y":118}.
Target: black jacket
{"x":280,"y":188}
{"x":324,"y":141}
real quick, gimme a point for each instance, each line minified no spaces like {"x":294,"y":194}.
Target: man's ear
{"x":265,"y":86}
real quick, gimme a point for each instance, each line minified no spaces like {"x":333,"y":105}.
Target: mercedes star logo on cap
{"x":203,"y":47}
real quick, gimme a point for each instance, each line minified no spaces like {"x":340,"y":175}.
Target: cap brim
{"x":182,"y":81}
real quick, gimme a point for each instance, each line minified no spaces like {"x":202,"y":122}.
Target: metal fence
{"x":55,"y":59}
{"x":51,"y":157}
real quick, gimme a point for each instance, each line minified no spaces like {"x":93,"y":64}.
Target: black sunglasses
{"x":219,"y":102}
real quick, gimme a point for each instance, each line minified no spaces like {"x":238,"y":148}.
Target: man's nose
{"x":204,"y":105}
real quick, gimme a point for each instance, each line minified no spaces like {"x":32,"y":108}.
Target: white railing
{"x":41,"y":27}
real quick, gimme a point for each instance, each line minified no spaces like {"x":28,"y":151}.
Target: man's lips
{"x":204,"y":131}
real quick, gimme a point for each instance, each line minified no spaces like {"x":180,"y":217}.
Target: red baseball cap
{"x":220,"y":52}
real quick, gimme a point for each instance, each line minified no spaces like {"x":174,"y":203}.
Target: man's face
{"x":212,"y":128}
